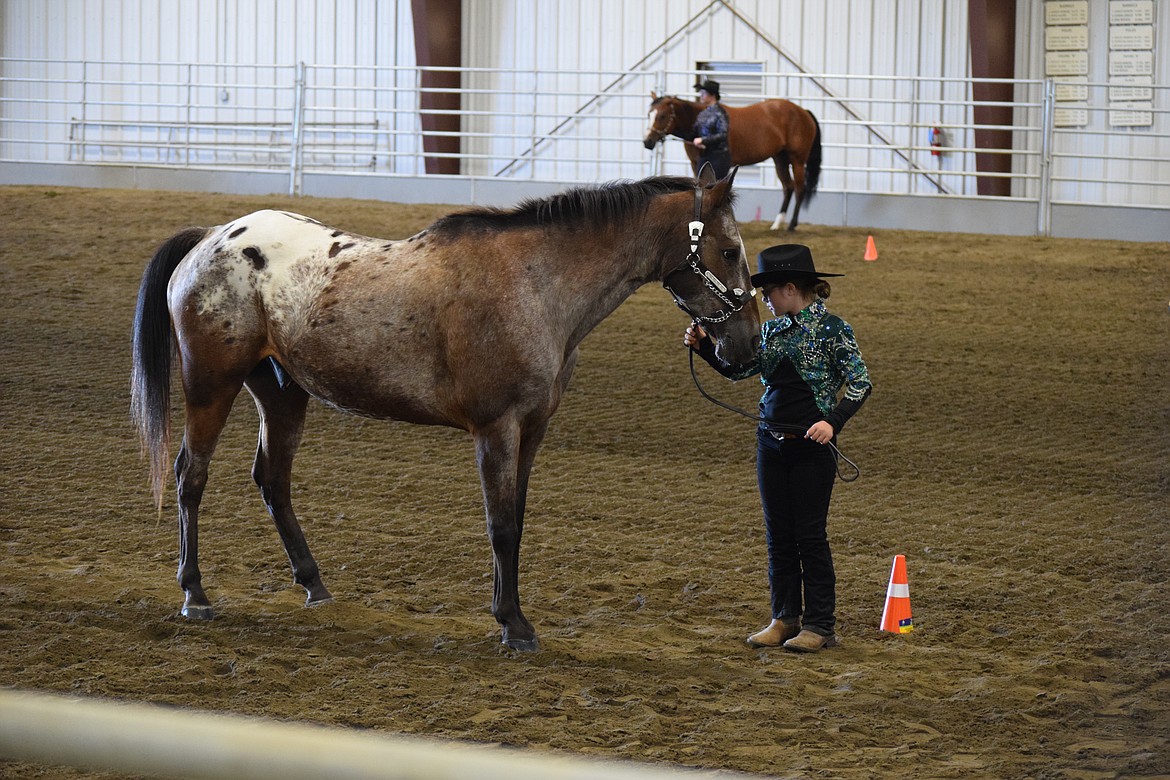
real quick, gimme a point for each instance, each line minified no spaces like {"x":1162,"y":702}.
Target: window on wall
{"x":740,"y":82}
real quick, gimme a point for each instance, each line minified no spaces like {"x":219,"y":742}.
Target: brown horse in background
{"x":778,"y":130}
{"x":473,"y":323}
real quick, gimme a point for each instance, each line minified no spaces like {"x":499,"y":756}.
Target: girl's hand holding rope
{"x":821,"y":432}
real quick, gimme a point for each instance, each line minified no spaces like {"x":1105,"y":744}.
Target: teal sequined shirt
{"x":804,"y":362}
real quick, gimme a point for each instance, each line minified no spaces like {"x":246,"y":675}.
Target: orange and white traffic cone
{"x":870,"y":249}
{"x":896,"y":615}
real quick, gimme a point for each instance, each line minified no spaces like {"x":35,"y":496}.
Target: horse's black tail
{"x":812,"y":169}
{"x":150,"y":376}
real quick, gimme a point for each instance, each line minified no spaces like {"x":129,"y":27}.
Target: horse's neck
{"x":593,"y":283}
{"x":685,"y":116}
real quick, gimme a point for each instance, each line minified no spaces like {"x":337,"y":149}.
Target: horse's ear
{"x":706,"y":175}
{"x":722,"y":188}
{"x":653,"y":95}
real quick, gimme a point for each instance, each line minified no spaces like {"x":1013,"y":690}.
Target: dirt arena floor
{"x":1014,"y":449}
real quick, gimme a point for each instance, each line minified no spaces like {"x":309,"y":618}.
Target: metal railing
{"x":566,"y":127}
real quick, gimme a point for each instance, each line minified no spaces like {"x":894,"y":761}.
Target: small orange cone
{"x":870,"y":249}
{"x":896,"y":615}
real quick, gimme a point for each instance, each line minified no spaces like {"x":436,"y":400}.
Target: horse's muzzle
{"x":649,"y":142}
{"x":738,"y":340}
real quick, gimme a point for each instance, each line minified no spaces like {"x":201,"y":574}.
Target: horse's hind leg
{"x":781,"y":161}
{"x":205,"y":421}
{"x":798,"y":182}
{"x":282,"y":421}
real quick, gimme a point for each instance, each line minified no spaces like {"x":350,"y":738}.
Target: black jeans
{"x":796,"y":482}
{"x":720,"y":160}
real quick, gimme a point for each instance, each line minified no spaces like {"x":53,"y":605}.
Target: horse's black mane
{"x":600,"y":205}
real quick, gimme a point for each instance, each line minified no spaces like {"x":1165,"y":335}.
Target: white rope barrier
{"x":149,"y":739}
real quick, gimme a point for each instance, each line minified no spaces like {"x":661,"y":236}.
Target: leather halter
{"x":669,"y":123}
{"x":733,"y":299}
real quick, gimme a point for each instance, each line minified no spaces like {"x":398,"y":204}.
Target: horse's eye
{"x":731,"y":255}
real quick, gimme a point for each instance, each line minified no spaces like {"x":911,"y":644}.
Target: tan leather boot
{"x":775,"y":634}
{"x":809,"y":642}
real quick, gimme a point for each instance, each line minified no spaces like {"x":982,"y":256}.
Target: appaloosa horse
{"x":778,"y":130}
{"x":473,"y":323}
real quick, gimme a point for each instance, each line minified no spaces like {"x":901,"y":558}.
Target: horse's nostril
{"x":649,"y":144}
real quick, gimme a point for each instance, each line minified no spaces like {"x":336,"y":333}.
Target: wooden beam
{"x":992,"y":28}
{"x":438,"y":40}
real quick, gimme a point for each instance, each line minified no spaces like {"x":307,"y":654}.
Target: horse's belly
{"x":360,"y":374}
{"x":381,"y":403}
{"x":423,"y":373}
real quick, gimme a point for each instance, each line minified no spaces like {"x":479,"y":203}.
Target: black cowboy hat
{"x":708,"y":86}
{"x":786,"y":263}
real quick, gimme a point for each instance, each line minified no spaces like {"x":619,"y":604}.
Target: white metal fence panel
{"x":570,"y":126}
{"x":904,"y":38}
{"x":144,"y":84}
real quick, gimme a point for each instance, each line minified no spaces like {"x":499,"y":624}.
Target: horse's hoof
{"x":197,"y":612}
{"x":317,"y":592}
{"x":777,"y":223}
{"x":522,"y":645}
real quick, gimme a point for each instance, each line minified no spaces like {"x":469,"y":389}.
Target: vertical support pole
{"x":916,"y":126}
{"x":296,"y":154}
{"x":84,"y":105}
{"x":187,"y":118}
{"x":992,"y":29}
{"x":1047,"y":132}
{"x":438,"y":39}
{"x":659,"y":148}
{"x":534,"y":123}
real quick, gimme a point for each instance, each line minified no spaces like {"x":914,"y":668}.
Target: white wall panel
{"x":845,"y":37}
{"x":883,"y":37}
{"x":557,"y":65}
{"x":275,"y":32}
{"x":1081,"y":179}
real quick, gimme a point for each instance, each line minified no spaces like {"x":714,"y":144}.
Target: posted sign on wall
{"x":1071,"y":28}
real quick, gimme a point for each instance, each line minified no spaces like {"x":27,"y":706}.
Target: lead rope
{"x":838,"y":456}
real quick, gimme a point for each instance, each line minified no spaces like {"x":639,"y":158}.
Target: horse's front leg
{"x":497,"y":449}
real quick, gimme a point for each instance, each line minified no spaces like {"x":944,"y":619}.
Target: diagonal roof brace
{"x":848,"y":109}
{"x":530,"y":152}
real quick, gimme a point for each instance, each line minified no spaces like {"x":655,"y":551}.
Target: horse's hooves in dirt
{"x":317,"y":593}
{"x":197,"y":612}
{"x":522,"y":645}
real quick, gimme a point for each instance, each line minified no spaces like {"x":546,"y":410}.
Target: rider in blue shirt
{"x":711,"y":130}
